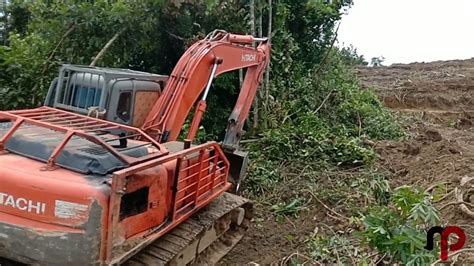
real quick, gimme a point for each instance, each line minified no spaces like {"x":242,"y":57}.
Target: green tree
{"x":377,"y":61}
{"x":351,"y":56}
{"x":3,"y":22}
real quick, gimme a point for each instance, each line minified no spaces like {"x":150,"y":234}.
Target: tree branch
{"x":105,"y":48}
{"x":455,"y":253}
{"x":339,"y":217}
{"x":50,"y":57}
{"x":175,"y":36}
{"x":60,"y":43}
{"x":324,"y":101}
{"x":329,"y":50}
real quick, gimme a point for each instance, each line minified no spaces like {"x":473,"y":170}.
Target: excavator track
{"x":204,"y":238}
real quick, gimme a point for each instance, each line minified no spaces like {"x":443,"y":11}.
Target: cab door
{"x":131,"y":101}
{"x":143,"y":102}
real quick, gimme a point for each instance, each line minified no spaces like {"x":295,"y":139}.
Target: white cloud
{"x":405,"y":31}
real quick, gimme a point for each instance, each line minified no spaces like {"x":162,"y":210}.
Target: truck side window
{"x":124,"y":106}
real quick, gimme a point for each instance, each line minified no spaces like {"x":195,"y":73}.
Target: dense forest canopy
{"x":152,"y":35}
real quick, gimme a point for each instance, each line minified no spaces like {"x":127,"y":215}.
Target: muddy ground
{"x":435,"y":102}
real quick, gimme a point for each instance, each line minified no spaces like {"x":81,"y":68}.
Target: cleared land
{"x":435,"y":101}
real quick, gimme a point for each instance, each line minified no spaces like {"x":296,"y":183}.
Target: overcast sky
{"x":405,"y":31}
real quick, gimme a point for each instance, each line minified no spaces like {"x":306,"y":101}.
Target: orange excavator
{"x":98,"y":176}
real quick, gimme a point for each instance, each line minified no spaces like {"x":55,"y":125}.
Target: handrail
{"x":192,"y":190}
{"x":86,"y":129}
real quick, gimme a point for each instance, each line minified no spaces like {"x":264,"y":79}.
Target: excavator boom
{"x":218,"y":53}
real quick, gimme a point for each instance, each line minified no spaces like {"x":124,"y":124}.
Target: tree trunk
{"x":4,"y":20}
{"x":241,"y":77}
{"x":260,"y":20}
{"x":267,"y":73}
{"x":253,"y":32}
{"x":105,"y":48}
{"x":46,"y":64}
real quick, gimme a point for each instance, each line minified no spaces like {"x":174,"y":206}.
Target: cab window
{"x":124,"y":106}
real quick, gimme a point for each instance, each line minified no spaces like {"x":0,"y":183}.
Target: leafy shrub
{"x":20,"y":67}
{"x":380,"y":188}
{"x":332,"y":249}
{"x":291,"y":208}
{"x":399,"y":229}
{"x":263,"y":176}
{"x":323,"y":119}
{"x":369,"y":117}
{"x":310,"y":139}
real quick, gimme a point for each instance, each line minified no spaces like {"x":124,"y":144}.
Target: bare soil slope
{"x":436,"y":99}
{"x":442,"y":85}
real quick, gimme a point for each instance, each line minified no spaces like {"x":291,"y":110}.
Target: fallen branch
{"x":360,"y":123}
{"x":249,"y":140}
{"x":105,"y":48}
{"x":288,"y":219}
{"x":454,"y":254}
{"x":462,"y":204}
{"x":324,"y":101}
{"x":381,"y":259}
{"x":444,"y":197}
{"x":436,"y":185}
{"x":329,"y":209}
{"x":457,"y":203}
{"x":285,"y":260}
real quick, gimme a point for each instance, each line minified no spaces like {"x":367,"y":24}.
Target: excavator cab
{"x":122,"y":96}
{"x":118,"y":95}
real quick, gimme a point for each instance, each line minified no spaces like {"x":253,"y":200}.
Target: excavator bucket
{"x":238,"y":167}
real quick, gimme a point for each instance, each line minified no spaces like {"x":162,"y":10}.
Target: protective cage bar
{"x":201,"y":175}
{"x":71,"y":125}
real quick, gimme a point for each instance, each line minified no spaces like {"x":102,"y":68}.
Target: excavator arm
{"x":218,"y":53}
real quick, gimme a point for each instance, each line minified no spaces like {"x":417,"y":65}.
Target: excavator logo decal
{"x":249,"y":57}
{"x":22,"y":204}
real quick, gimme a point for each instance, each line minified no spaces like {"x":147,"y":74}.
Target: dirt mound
{"x":433,"y":156}
{"x":436,"y":159}
{"x":443,"y":85}
{"x":436,"y":100}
